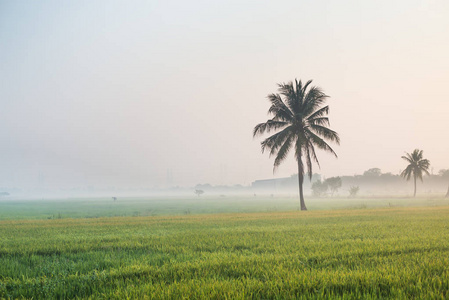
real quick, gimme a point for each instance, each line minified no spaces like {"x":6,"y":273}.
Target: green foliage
{"x":319,"y":188}
{"x":301,"y":123}
{"x":353,"y":191}
{"x":444,"y":173}
{"x":199,"y":192}
{"x":334,"y":184}
{"x":373,"y":172}
{"x":416,"y":167}
{"x":351,"y":254}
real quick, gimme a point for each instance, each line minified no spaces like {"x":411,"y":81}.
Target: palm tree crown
{"x":301,"y":122}
{"x":416,"y":167}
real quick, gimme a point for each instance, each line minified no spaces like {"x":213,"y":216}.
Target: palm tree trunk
{"x":414,"y":194}
{"x":300,"y":182}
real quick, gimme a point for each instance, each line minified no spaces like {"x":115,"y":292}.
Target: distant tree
{"x":319,"y":188}
{"x":114,"y":198}
{"x":417,"y":165}
{"x":334,"y":184}
{"x":4,"y":194}
{"x":353,"y":191}
{"x":388,"y":175}
{"x":373,"y":172}
{"x":199,"y":192}
{"x":205,"y":186}
{"x":445,"y":174}
{"x":302,"y":124}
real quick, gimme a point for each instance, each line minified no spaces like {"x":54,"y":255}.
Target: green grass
{"x":394,"y":252}
{"x":169,"y":206}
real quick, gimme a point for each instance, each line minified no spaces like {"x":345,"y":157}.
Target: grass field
{"x":14,"y":209}
{"x":391,"y":252}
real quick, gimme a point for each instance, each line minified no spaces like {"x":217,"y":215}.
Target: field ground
{"x":13,"y":209}
{"x":390,"y":252}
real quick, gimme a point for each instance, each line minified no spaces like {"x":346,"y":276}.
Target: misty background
{"x":156,"y":94}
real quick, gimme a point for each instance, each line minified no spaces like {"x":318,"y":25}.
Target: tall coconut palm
{"x":416,"y":167}
{"x":301,"y":122}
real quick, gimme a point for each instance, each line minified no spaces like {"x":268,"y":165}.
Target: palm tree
{"x":301,"y":122}
{"x":417,"y":166}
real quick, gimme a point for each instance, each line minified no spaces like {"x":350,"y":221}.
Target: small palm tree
{"x":417,"y":166}
{"x":302,"y":124}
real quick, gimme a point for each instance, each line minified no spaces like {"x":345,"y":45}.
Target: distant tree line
{"x":328,"y":186}
{"x":373,"y":181}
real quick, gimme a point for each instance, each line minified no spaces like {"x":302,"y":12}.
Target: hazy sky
{"x":150,"y":93}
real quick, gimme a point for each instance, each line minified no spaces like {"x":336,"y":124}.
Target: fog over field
{"x":135,"y":142}
{"x":159,"y":94}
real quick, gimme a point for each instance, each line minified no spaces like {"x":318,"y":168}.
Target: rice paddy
{"x":391,"y":252}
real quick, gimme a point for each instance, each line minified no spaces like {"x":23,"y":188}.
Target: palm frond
{"x":417,"y":166}
{"x":300,"y":119}
{"x":279,"y":109}
{"x":319,"y":142}
{"x":314,"y":156}
{"x":319,"y":113}
{"x":326,"y":133}
{"x":302,"y":91}
{"x":283,"y":152}
{"x":268,"y":126}
{"x":407,"y":173}
{"x":275,"y":141}
{"x":308,"y":162}
{"x":314,"y":98}
{"x":323,"y":121}
{"x":288,"y":91}
{"x":407,"y":158}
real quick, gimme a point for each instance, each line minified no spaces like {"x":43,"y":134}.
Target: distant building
{"x":269,"y":184}
{"x":285,"y":184}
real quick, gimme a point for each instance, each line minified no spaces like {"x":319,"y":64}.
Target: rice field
{"x":60,"y":208}
{"x":377,"y":253}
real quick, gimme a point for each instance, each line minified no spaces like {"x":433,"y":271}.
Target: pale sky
{"x":123,"y":93}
